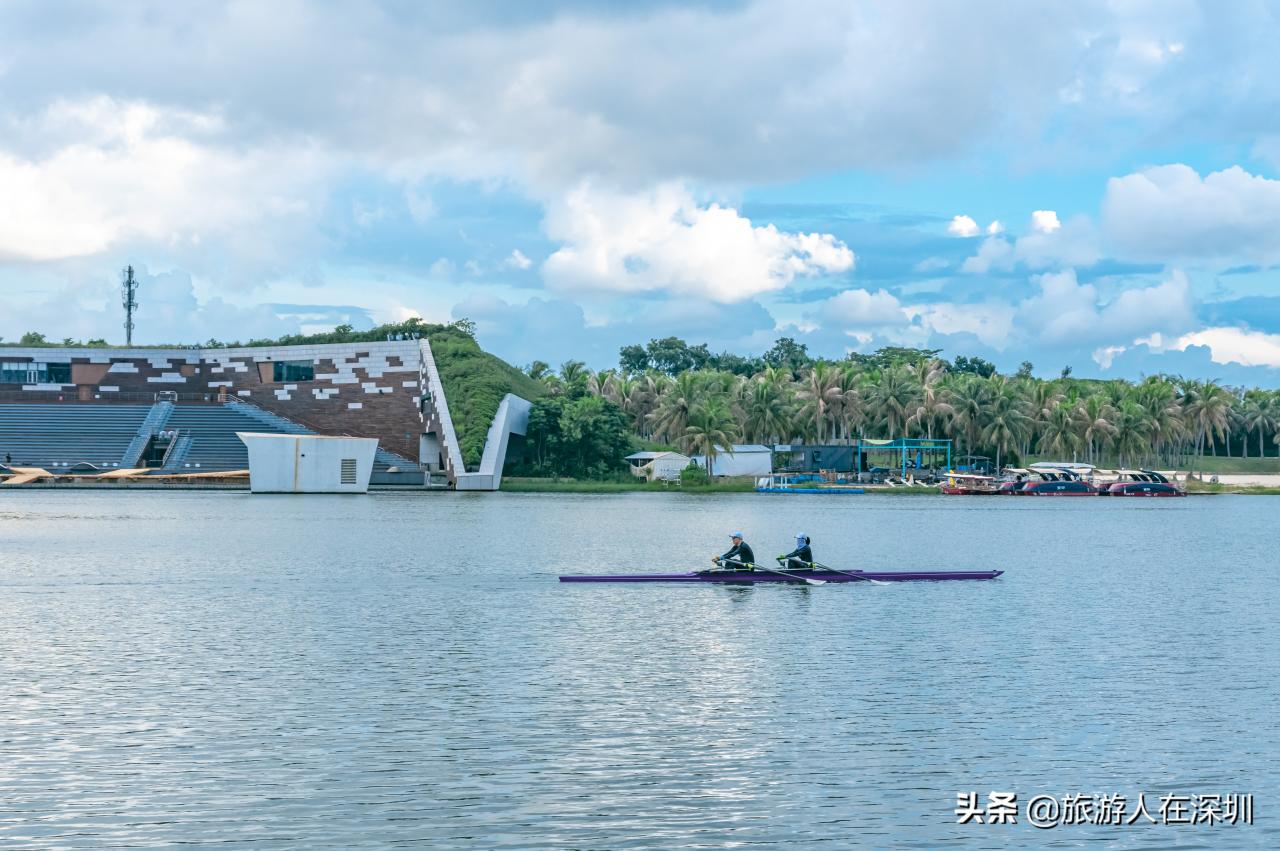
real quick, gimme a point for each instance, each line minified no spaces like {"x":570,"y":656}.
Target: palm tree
{"x":1206,"y":404}
{"x":1132,"y":432}
{"x":820,"y":391}
{"x":1094,"y":415}
{"x":1159,"y":398}
{"x":1007,"y":422}
{"x":968,"y":400}
{"x":765,"y":412}
{"x":574,"y":376}
{"x":932,"y":409}
{"x":1060,"y":433}
{"x":678,"y":399}
{"x":710,"y":428}
{"x":599,"y":383}
{"x":893,"y":399}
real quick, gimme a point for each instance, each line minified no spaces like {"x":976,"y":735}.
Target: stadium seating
{"x":213,"y":442}
{"x":49,"y":435}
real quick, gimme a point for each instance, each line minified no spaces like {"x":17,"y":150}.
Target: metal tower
{"x":129,"y":290}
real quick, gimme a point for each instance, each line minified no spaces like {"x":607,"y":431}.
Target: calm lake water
{"x":405,"y":669}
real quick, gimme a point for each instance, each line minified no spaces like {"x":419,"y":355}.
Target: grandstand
{"x":178,"y":410}
{"x":42,"y":435}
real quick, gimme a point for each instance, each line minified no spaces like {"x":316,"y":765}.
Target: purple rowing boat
{"x":747,"y":577}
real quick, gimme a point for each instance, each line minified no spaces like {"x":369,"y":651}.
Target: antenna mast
{"x":129,"y":290}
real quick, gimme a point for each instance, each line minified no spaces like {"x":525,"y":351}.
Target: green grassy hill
{"x":475,"y":382}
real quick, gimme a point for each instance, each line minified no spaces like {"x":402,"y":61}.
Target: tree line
{"x":670,"y":393}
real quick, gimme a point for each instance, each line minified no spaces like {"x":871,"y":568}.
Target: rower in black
{"x":739,"y":557}
{"x":801,"y":558}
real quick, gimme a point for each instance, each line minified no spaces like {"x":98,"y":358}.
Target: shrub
{"x":694,"y":475}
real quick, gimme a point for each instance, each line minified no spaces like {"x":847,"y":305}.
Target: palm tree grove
{"x":671,"y":394}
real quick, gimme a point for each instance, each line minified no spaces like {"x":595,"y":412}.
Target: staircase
{"x":435,"y":416}
{"x":156,"y":418}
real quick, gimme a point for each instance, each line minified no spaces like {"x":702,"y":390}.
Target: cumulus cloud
{"x":130,"y":171}
{"x":665,"y":240}
{"x":1048,"y":244}
{"x":1235,"y":345}
{"x":1067,"y":311}
{"x":1045,"y":221}
{"x":963,"y":226}
{"x":550,"y":92}
{"x":854,"y":308}
{"x":995,"y":228}
{"x":1170,"y":213}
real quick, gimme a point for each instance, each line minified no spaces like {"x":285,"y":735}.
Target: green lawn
{"x":533,"y":485}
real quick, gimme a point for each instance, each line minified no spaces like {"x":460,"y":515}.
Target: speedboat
{"x":1142,"y":483}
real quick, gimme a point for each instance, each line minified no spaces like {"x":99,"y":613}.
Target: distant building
{"x":658,"y":466}
{"x":740,"y":459}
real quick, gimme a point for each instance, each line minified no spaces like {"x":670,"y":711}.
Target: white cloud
{"x":1170,"y":213}
{"x":1235,"y":345}
{"x":995,"y":228}
{"x":1066,"y":311}
{"x":518,"y":260}
{"x":551,"y":92}
{"x":1104,"y":355}
{"x":963,"y":226}
{"x":932,"y":264}
{"x":995,"y":252}
{"x":863,"y":308}
{"x":665,"y":241}
{"x":1049,"y":244}
{"x":1045,"y":221}
{"x":990,"y":322}
{"x":138,"y":172}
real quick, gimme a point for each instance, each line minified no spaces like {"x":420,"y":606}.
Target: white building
{"x":740,"y":459}
{"x":658,"y":466}
{"x":308,"y":463}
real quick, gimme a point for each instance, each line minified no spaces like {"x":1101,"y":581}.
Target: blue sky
{"x":1085,"y":183}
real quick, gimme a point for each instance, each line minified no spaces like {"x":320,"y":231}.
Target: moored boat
{"x":969,"y":484}
{"x":740,"y":577}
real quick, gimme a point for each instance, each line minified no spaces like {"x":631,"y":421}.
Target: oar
{"x":854,"y":575}
{"x":803,"y":579}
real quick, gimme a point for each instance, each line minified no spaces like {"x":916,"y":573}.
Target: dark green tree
{"x":787,"y":352}
{"x":973,"y":366}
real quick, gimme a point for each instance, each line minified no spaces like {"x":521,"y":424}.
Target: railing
{"x":70,"y":397}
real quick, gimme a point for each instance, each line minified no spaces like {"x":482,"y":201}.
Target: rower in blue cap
{"x":739,"y":557}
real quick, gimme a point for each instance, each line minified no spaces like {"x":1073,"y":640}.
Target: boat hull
{"x":751,"y":577}
{"x":824,"y":491}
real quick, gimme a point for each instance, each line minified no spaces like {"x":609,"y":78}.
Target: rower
{"x":739,"y":557}
{"x":801,"y":558}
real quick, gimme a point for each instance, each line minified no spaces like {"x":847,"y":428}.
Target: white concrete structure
{"x":740,"y":459}
{"x":512,"y":418}
{"x":658,"y":466}
{"x":308,"y":463}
